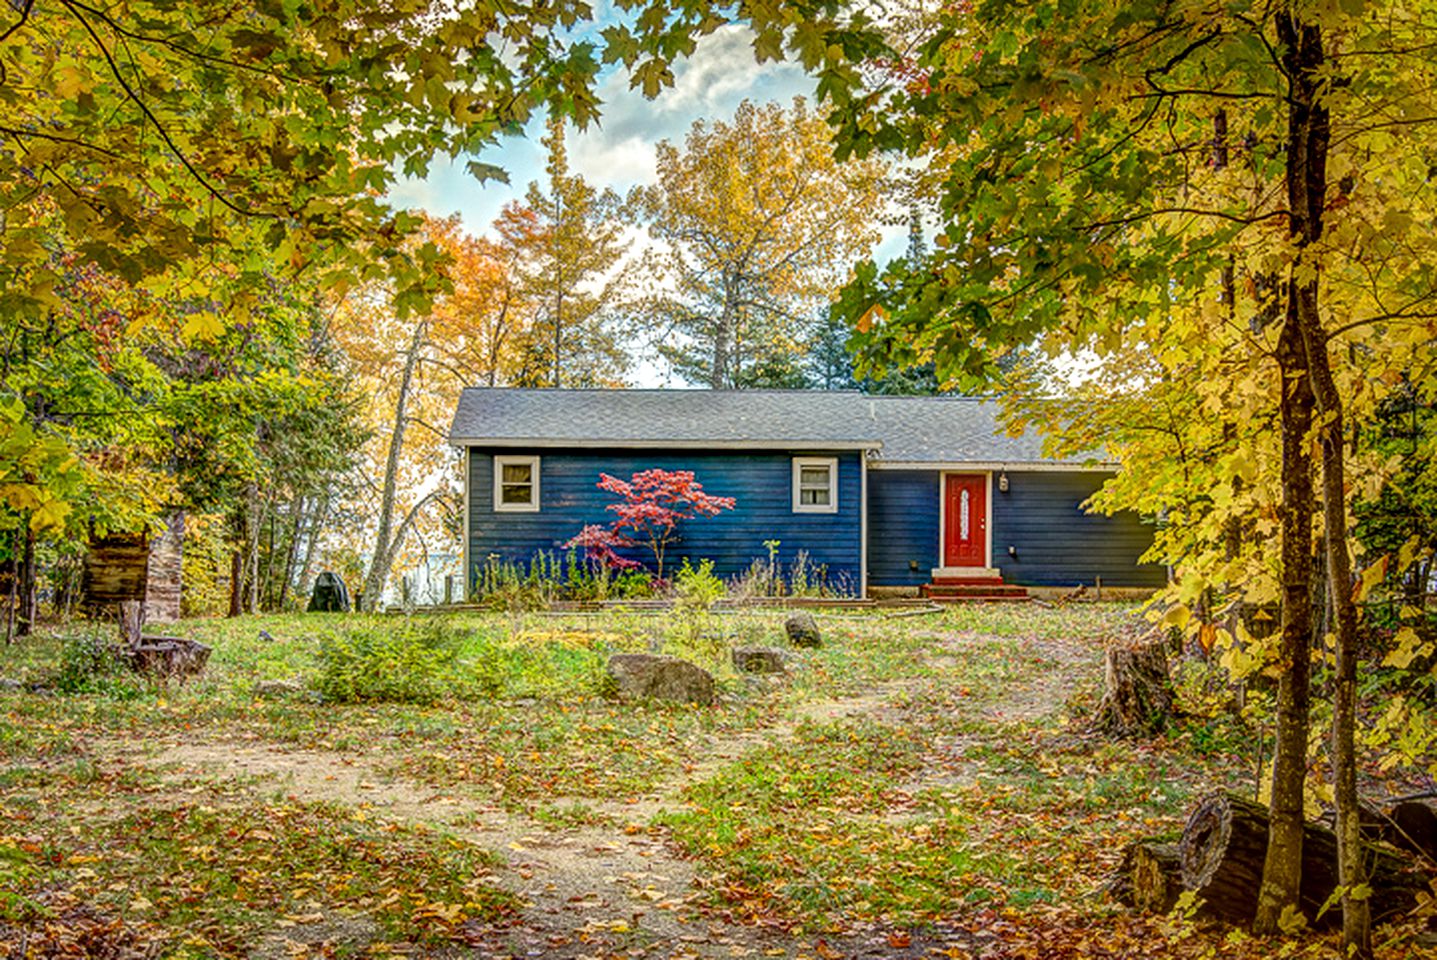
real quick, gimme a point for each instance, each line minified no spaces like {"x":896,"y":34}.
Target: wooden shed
{"x":140,"y":567}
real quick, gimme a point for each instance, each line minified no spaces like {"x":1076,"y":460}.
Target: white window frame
{"x":500,"y":462}
{"x":831,"y":463}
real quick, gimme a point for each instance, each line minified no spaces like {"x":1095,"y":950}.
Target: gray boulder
{"x":639,"y":676}
{"x":278,"y":689}
{"x":758,"y":660}
{"x":802,"y":630}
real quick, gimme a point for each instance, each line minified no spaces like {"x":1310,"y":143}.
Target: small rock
{"x":646,"y":676}
{"x":758,"y":660}
{"x":802,"y":630}
{"x":11,"y":686}
{"x":278,"y":689}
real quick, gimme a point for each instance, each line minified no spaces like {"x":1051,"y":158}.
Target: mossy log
{"x":1222,"y":851}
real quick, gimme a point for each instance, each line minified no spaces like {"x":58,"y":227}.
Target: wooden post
{"x":132,"y":622}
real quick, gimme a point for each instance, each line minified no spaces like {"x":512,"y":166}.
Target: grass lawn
{"x":917,"y":786}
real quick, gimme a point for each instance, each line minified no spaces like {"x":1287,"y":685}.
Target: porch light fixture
{"x":1002,"y":481}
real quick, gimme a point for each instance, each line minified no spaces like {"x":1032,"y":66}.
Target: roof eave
{"x":1035,"y":466}
{"x":637,"y":444}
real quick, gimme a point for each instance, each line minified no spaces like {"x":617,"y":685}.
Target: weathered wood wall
{"x":122,"y":567}
{"x":164,"y":578}
{"x":115,"y":570}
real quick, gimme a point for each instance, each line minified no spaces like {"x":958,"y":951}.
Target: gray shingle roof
{"x":898,"y":429}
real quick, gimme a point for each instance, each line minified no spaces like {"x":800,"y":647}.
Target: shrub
{"x":90,"y":663}
{"x":696,"y":589}
{"x":403,"y":663}
{"x":509,"y":586}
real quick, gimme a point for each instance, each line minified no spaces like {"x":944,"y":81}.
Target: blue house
{"x":880,"y":492}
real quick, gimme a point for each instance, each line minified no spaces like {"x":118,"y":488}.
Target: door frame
{"x":943,"y":476}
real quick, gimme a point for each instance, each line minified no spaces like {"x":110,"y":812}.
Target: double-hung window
{"x":815,"y":485}
{"x":516,"y":484}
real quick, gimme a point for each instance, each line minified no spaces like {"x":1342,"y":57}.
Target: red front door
{"x":965,"y":520}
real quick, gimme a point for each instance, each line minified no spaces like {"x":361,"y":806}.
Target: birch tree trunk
{"x":316,"y":526}
{"x":384,"y":548}
{"x":291,"y":553}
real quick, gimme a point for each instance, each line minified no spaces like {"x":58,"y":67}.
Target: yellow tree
{"x":755,"y":224}
{"x":1109,"y":170}
{"x":565,"y":246}
{"x":411,"y":369}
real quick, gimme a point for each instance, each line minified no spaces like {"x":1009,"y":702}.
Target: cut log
{"x":169,"y":658}
{"x":1149,"y":877}
{"x":1157,"y":877}
{"x":1222,"y":850}
{"x":1138,"y":696}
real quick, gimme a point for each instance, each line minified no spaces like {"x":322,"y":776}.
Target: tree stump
{"x":1149,"y":877}
{"x":1222,"y":851}
{"x":169,"y":658}
{"x":165,"y":658}
{"x":1138,"y":695}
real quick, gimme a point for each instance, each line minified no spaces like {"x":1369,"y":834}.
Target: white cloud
{"x":618,"y":151}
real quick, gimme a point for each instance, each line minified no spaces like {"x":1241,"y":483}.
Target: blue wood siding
{"x":1057,"y":543}
{"x":1040,"y":516}
{"x":761,"y":482}
{"x":902,"y":527}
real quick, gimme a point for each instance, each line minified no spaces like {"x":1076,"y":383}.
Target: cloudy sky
{"x":619,"y":152}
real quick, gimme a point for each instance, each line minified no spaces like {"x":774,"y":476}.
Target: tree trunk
{"x":9,"y":576}
{"x":252,"y":564}
{"x":384,"y":549}
{"x":719,"y":378}
{"x":236,"y":583}
{"x":267,"y":594}
{"x":1282,"y":865}
{"x":316,"y":525}
{"x":1309,"y":133}
{"x":291,"y":553}
{"x":1138,"y":697}
{"x":29,"y":606}
{"x":1221,"y":857}
{"x":1356,"y":927}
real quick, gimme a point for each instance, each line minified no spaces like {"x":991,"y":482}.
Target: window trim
{"x":500,"y":462}
{"x":831,"y":464}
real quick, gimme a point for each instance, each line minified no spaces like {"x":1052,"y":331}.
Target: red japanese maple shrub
{"x":652,"y":504}
{"x":599,"y":542}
